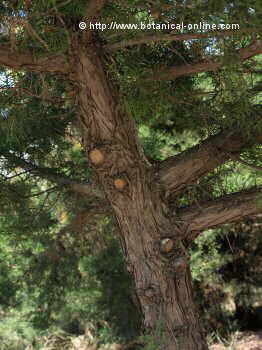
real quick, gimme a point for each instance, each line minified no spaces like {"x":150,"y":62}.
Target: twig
{"x":238,"y":159}
{"x":42,"y":192}
{"x":33,"y":33}
{"x":174,"y":37}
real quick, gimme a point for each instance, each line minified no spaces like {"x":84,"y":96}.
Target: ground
{"x":242,"y":341}
{"x":239,"y":341}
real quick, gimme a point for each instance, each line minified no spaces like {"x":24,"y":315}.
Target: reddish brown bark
{"x":94,"y":7}
{"x":175,"y":37}
{"x":153,"y":247}
{"x":185,"y":169}
{"x":230,"y":208}
{"x":163,"y":282}
{"x":26,"y":61}
{"x":208,"y":65}
{"x":92,"y":14}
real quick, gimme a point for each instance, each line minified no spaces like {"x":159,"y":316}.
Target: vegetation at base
{"x":98,"y":298}
{"x":61,"y":278}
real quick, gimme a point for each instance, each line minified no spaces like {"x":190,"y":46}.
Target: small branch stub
{"x":120,"y":184}
{"x":96,"y":156}
{"x":180,"y":264}
{"x":166,"y":245}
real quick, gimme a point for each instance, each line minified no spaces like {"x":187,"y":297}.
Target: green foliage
{"x":163,"y":142}
{"x":51,"y":281}
{"x":227,"y":277}
{"x":152,"y":340}
{"x":69,"y":290}
{"x":16,"y":333}
{"x":103,"y":297}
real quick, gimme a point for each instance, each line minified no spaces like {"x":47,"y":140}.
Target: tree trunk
{"x":162,"y":274}
{"x":158,"y":264}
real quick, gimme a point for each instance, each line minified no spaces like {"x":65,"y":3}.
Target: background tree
{"x":116,"y":96}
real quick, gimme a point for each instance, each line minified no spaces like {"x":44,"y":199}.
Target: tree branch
{"x":27,"y":61}
{"x":207,"y":65}
{"x":251,"y":166}
{"x":77,"y":226}
{"x":177,"y":172}
{"x":60,"y":179}
{"x":175,"y":37}
{"x":93,"y":10}
{"x":94,"y":7}
{"x":230,"y":208}
{"x":83,"y":217}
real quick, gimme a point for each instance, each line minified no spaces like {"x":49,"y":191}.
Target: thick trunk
{"x":159,"y":266}
{"x":160,"y":269}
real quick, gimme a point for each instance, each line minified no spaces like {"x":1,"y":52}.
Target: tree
{"x":101,"y":85}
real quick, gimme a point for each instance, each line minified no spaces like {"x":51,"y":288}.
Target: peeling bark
{"x":177,"y":172}
{"x":92,"y":14}
{"x":151,"y":240}
{"x":163,"y":281}
{"x":230,"y":208}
